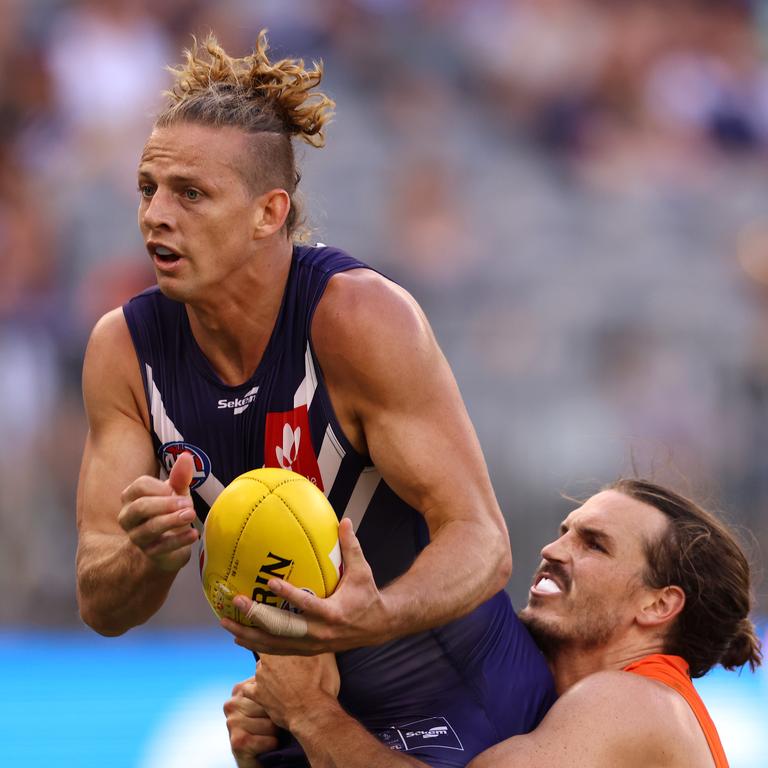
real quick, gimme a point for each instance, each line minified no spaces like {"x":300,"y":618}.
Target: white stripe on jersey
{"x":329,"y":458}
{"x":166,"y":432}
{"x":306,"y":390}
{"x":365,"y":487}
{"x":164,"y":428}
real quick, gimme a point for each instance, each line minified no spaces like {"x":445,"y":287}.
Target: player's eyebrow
{"x":591,"y":534}
{"x":177,"y":179}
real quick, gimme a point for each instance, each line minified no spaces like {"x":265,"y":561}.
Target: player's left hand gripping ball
{"x":269,"y":524}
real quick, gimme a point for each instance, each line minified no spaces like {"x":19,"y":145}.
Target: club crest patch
{"x":169,"y":452}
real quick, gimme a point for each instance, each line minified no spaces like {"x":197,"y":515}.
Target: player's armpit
{"x":396,"y":398}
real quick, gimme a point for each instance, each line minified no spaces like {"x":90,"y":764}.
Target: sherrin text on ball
{"x":268,"y":523}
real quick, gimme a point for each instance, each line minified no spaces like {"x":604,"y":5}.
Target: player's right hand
{"x":157,"y":515}
{"x":251,"y":732}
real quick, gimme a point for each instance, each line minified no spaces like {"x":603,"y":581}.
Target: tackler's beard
{"x":588,"y":625}
{"x":562,"y":618}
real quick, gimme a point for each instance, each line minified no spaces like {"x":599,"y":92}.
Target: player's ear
{"x":661,"y":606}
{"x":271,"y":212}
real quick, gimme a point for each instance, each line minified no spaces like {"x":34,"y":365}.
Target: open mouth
{"x":163,"y":255}
{"x":548,"y":584}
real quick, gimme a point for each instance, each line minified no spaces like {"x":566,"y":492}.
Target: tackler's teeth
{"x":162,"y":251}
{"x":547,"y":585}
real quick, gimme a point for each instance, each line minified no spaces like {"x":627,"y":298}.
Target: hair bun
{"x":284,"y":87}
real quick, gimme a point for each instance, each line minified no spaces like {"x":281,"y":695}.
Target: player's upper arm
{"x":607,"y":719}
{"x":118,"y":446}
{"x":392,"y":388}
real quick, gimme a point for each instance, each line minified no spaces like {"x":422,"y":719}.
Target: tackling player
{"x":641,"y":591}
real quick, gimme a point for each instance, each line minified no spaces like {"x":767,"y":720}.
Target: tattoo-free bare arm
{"x":397,"y":398}
{"x":607,"y":719}
{"x":123,"y":579}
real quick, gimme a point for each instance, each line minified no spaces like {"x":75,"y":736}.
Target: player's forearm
{"x":462,"y":567}
{"x":117,"y":585}
{"x":333,"y":739}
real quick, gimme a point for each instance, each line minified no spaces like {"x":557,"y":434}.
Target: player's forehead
{"x":623,"y":518}
{"x":191,"y":149}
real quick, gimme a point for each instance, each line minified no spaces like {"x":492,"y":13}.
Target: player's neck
{"x":233,"y":326}
{"x":570,"y":664}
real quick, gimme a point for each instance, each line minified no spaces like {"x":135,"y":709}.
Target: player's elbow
{"x":99,"y":623}
{"x":101,"y":627}
{"x":503,"y":564}
{"x":497,"y":560}
{"x":96,"y":615}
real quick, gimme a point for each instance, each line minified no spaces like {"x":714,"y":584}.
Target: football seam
{"x":243,"y":524}
{"x":309,"y":539}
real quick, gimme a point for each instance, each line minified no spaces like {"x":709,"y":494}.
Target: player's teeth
{"x":161,"y":251}
{"x":547,"y":585}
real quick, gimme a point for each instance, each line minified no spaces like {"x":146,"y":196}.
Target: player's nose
{"x":555,"y":551}
{"x":156,"y":213}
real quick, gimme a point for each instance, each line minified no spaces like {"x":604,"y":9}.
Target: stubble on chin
{"x":545,"y":634}
{"x":591,"y":628}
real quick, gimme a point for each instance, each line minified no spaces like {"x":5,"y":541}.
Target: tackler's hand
{"x":251,"y":731}
{"x":355,"y":615}
{"x":290,"y":687}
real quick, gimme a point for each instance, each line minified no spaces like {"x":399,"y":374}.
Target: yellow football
{"x":268,"y":523}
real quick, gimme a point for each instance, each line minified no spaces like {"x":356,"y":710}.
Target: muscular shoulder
{"x":607,"y":719}
{"x":631,"y":714}
{"x":604,"y":688}
{"x":362,"y":302}
{"x":379,"y":358}
{"x":369,"y":331}
{"x":111,"y":376}
{"x":110,"y":329}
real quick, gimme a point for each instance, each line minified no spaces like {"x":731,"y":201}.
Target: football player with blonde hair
{"x":254,"y":350}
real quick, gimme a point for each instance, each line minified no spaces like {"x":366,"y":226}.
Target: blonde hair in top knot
{"x":249,"y":84}
{"x":273,"y":102}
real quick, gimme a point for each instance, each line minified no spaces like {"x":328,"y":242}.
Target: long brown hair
{"x":699,"y":554}
{"x":272,"y":101}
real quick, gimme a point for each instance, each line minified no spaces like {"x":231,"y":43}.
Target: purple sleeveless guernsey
{"x":440,"y":696}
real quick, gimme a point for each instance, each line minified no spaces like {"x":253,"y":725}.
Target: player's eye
{"x":192,"y":194}
{"x":146,"y":190}
{"x":596,"y":545}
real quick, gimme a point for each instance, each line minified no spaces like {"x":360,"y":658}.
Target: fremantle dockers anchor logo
{"x":288,"y":444}
{"x":289,"y":451}
{"x":169,"y":452}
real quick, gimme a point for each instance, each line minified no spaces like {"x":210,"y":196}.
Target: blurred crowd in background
{"x":575,"y":190}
